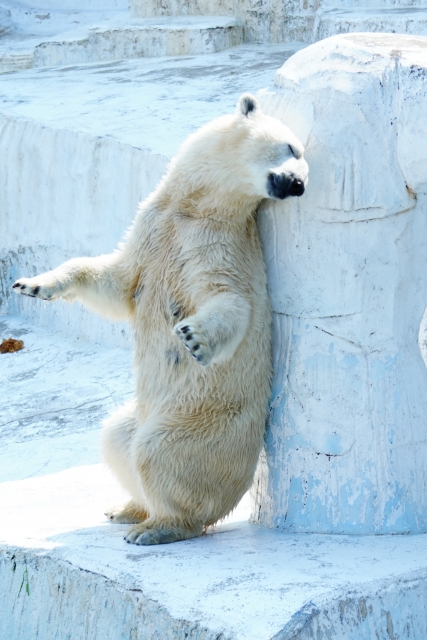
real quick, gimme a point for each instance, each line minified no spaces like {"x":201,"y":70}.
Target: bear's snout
{"x":280,"y":186}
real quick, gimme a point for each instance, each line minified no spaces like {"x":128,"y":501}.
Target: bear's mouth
{"x":281,"y":186}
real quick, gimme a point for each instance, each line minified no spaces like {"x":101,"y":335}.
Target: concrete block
{"x":411,"y":21}
{"x":82,"y":37}
{"x":346,"y":450}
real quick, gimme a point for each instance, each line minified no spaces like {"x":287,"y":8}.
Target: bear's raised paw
{"x":194,"y":341}
{"x":36,"y":288}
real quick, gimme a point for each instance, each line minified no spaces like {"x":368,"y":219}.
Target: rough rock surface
{"x":299,"y":20}
{"x":347,"y":451}
{"x":34,"y":37}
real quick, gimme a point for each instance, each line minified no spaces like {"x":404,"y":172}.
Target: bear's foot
{"x":154,"y":531}
{"x":194,"y":341}
{"x":130,"y":513}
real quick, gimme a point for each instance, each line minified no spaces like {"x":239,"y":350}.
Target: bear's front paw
{"x":37,"y":288}
{"x":194,"y":341}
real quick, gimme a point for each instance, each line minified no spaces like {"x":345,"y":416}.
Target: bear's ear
{"x":247,"y":104}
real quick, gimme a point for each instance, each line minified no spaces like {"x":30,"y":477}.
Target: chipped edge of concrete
{"x":97,"y":604}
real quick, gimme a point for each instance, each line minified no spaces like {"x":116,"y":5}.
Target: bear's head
{"x":245,"y":155}
{"x":281,"y":170}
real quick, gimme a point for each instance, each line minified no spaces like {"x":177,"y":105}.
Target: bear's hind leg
{"x":117,"y":439}
{"x":130,"y":513}
{"x":162,"y":530}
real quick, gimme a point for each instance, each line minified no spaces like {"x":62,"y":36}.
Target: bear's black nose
{"x":297,"y":188}
{"x":281,"y":186}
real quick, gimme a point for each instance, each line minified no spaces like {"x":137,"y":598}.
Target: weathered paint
{"x":347,"y":445}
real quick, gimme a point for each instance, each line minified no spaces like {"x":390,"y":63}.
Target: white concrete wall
{"x":64,"y":194}
{"x":263,"y":20}
{"x":41,"y":608}
{"x":372,"y":4}
{"x":287,"y":20}
{"x":76,"y":5}
{"x":347,"y":267}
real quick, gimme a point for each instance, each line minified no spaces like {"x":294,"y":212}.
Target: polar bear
{"x":190,"y":277}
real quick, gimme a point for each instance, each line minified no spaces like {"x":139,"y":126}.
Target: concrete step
{"x":35,"y":38}
{"x":408,"y":20}
{"x":373,"y":4}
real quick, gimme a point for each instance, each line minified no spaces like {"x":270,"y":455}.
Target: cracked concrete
{"x":55,"y":394}
{"x":31,"y":38}
{"x":348,"y":299}
{"x":58,"y":404}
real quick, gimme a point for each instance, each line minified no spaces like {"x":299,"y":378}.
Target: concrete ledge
{"x":64,"y":571}
{"x":403,"y":20}
{"x":122,"y":38}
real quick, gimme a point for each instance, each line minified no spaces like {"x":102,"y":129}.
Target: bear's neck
{"x":209,"y":203}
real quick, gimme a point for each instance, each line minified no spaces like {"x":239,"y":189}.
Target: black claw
{"x":16,"y":285}
{"x":185,"y":329}
{"x":196,"y":348}
{"x":189,"y":337}
{"x":23,"y":286}
{"x":36,"y":290}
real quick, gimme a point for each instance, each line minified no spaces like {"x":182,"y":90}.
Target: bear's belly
{"x":169,"y":380}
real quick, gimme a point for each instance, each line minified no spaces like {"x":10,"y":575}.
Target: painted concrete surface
{"x":37,"y":38}
{"x":56,"y":387}
{"x":411,"y":21}
{"x":347,"y":447}
{"x":52,"y":32}
{"x":299,"y":20}
{"x":67,"y":572}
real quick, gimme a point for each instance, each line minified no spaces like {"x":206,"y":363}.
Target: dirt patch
{"x":10,"y":345}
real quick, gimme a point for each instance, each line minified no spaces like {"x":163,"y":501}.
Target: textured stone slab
{"x":346,"y":447}
{"x":65,"y":572}
{"x":408,"y":20}
{"x":77,"y":38}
